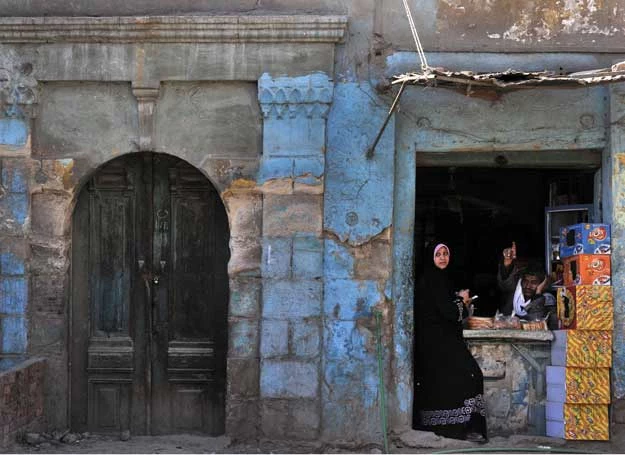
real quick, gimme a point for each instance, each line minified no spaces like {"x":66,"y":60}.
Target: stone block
{"x":299,"y":136}
{"x":307,"y":257}
{"x":244,"y":213}
{"x":305,"y":420}
{"x":49,"y":213}
{"x":14,"y":335}
{"x":14,"y":210}
{"x":275,"y":169}
{"x":306,"y":337}
{"x":276,"y":262}
{"x":15,"y":176}
{"x":245,"y":256}
{"x":48,"y":259}
{"x":223,"y":114}
{"x":47,"y":333}
{"x":289,"y":379}
{"x":308,"y":167}
{"x":13,"y":132}
{"x":242,"y":419}
{"x":48,"y":294}
{"x":350,"y":299}
{"x":243,"y":338}
{"x":291,"y":299}
{"x":275,"y":419}
{"x":244,"y":375}
{"x":13,"y":295}
{"x":245,"y":297}
{"x":286,"y":215}
{"x":274,"y":339}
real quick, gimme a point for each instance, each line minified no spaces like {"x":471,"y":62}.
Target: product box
{"x":582,"y":348}
{"x":587,"y":269}
{"x":577,"y":421}
{"x":585,"y":307}
{"x":578,"y":385}
{"x":585,"y":238}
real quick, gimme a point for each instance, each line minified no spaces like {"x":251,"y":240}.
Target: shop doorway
{"x":480,"y":211}
{"x":148,"y":335}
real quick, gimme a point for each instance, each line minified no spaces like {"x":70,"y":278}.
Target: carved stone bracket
{"x":146,"y":101}
{"x":19,"y":90}
{"x":285,"y":97}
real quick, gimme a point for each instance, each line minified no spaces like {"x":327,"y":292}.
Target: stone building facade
{"x":275,"y":103}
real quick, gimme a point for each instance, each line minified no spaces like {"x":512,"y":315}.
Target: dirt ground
{"x":410,"y":442}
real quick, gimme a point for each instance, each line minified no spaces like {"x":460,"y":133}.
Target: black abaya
{"x":449,"y":385}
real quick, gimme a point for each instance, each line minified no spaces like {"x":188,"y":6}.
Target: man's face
{"x":529,"y":283}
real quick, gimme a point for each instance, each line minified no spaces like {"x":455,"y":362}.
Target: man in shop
{"x":523,"y":288}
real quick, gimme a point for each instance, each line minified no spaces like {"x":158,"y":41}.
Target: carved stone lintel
{"x":286,"y":97}
{"x":146,"y":103}
{"x":174,"y":29}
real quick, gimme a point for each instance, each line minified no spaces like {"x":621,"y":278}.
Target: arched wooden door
{"x":149,"y":300}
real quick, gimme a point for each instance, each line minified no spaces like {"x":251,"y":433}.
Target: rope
{"x":415,"y":36}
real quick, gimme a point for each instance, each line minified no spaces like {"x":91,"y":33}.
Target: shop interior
{"x":480,"y":211}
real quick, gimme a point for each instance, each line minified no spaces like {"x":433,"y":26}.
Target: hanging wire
{"x":415,"y":35}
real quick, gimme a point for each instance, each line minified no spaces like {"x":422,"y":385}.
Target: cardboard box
{"x":585,"y":307}
{"x":587,"y":269}
{"x":577,"y":421}
{"x":578,"y":385}
{"x":582,"y":348}
{"x":585,"y":238}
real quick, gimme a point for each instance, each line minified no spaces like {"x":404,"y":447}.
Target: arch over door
{"x":149,"y":300}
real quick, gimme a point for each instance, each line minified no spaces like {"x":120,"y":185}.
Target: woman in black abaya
{"x":449,"y":385}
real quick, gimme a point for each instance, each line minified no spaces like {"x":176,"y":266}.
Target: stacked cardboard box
{"x":578,"y":380}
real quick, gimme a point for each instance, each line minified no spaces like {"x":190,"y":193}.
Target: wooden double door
{"x":149,"y":300}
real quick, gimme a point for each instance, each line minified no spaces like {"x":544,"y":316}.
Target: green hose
{"x":381,"y":388}
{"x":513,"y":450}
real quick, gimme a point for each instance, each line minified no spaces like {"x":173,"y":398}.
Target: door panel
{"x":154,"y":343}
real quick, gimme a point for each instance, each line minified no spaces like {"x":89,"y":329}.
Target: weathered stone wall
{"x":22,"y":398}
{"x":515,"y":388}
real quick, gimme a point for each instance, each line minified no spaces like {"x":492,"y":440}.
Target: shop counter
{"x":514,"y":366}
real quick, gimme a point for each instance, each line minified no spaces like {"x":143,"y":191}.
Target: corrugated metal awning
{"x":512,"y":80}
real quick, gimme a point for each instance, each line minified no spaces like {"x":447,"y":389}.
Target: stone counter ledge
{"x":512,"y":335}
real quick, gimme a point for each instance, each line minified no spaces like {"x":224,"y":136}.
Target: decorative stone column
{"x":615,"y":183}
{"x":18,"y":98}
{"x":291,"y":178}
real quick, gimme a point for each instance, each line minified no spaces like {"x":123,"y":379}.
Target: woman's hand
{"x":464,"y":293}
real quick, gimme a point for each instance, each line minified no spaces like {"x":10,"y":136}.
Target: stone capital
{"x":289,"y":97}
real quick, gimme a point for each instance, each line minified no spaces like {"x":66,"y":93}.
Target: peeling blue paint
{"x":11,"y":264}
{"x":288,"y":379}
{"x":307,"y":257}
{"x":350,"y":300}
{"x":338,"y":263}
{"x":13,"y":295}
{"x":13,"y":132}
{"x":14,"y":332}
{"x":359,"y":195}
{"x":14,"y":179}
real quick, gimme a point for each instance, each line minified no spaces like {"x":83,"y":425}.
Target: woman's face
{"x":441,"y":258}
